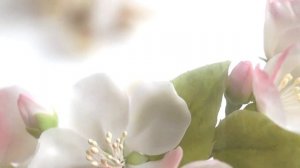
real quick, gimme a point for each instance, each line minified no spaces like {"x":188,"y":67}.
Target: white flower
{"x":277,"y":88}
{"x":150,"y":119}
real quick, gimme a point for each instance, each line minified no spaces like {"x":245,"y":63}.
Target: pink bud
{"x":239,"y":86}
{"x":28,"y":108}
{"x":36,"y":118}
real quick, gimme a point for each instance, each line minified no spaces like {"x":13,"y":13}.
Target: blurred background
{"x":46,"y":48}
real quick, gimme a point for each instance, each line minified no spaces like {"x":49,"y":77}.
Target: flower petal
{"x":286,"y":62}
{"x":16,"y":145}
{"x":60,"y":148}
{"x":292,"y":117}
{"x":267,"y":97}
{"x":170,"y":160}
{"x":98,"y":107}
{"x":158,"y":118}
{"x":287,"y":38}
{"x":207,"y":164}
{"x":281,"y":16}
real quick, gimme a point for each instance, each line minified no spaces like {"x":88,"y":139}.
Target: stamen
{"x":285,"y":81}
{"x":290,"y":91}
{"x":113,"y":158}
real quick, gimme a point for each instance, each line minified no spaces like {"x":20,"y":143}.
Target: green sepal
{"x":46,"y":121}
{"x":155,"y":157}
{"x":135,"y":158}
{"x":34,"y":132}
{"x":202,"y":89}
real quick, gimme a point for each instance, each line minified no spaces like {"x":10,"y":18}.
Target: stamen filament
{"x":113,"y":158}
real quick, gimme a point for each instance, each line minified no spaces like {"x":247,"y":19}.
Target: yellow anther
{"x":89,"y":157}
{"x":92,"y":142}
{"x":95,"y":163}
{"x":108,"y":135}
{"x":88,"y":152}
{"x":94,"y":150}
{"x":285,"y":81}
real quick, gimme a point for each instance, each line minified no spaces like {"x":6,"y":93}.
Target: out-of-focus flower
{"x":36,"y":118}
{"x":239,"y":86}
{"x":282,"y":25}
{"x":111,"y":127}
{"x":16,"y":144}
{"x":277,"y":88}
{"x":76,"y":23}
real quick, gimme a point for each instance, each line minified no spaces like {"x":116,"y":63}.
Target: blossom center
{"x":111,"y":158}
{"x":289,"y":89}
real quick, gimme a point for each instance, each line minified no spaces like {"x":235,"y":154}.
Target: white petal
{"x":281,"y":16}
{"x":287,"y":38}
{"x":98,"y":107}
{"x":270,"y":37}
{"x":292,"y":117}
{"x":286,"y":62}
{"x":207,"y":164}
{"x":60,"y":148}
{"x":158,"y":118}
{"x":16,"y":145}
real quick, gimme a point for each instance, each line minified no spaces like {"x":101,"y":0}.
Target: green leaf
{"x":202,"y":89}
{"x":248,"y":139}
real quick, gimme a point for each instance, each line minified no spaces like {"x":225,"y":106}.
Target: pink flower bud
{"x":239,"y":86}
{"x":36,"y":118}
{"x":281,"y":25}
{"x":16,"y":145}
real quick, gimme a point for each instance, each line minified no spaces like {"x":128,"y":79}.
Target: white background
{"x":177,"y":36}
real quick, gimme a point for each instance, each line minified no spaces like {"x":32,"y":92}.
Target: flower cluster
{"x":170,"y":124}
{"x":109,"y":128}
{"x":276,"y":87}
